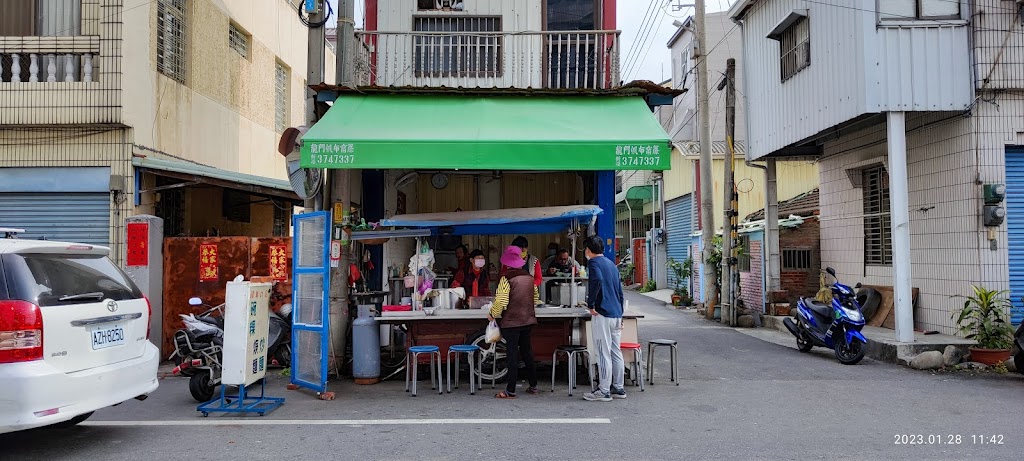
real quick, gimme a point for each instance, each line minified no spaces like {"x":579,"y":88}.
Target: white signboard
{"x":246,"y":332}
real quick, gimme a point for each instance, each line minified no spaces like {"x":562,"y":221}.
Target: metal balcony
{"x":551,"y":59}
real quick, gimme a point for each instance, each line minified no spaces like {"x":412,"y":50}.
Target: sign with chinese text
{"x":279,"y":262}
{"x":138,"y":244}
{"x":246,"y":332}
{"x":208,"y":269}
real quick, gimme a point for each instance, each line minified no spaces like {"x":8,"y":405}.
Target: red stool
{"x":637,"y":364}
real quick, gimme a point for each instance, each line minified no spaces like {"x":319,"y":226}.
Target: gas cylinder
{"x":365,"y":345}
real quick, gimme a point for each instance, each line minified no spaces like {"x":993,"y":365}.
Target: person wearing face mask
{"x":474,"y":276}
{"x":552,"y":254}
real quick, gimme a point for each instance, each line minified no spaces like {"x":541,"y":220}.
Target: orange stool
{"x":637,"y":364}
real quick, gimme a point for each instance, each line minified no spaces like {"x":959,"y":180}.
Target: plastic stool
{"x":572,"y":354}
{"x":637,"y":363}
{"x":673,"y":358}
{"x":470,"y":350}
{"x":412,"y":369}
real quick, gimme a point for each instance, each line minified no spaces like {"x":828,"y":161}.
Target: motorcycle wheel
{"x":201,"y":388}
{"x":850,"y":353}
{"x":802,"y":344}
{"x":484,"y":368}
{"x":283,"y":355}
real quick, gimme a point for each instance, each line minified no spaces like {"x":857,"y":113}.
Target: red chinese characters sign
{"x":208,"y":270}
{"x":278,"y":262}
{"x":138,"y":244}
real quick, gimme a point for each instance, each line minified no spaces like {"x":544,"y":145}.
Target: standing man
{"x":604,"y":297}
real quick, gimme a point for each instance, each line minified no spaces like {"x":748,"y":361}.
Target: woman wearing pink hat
{"x":514,"y":304}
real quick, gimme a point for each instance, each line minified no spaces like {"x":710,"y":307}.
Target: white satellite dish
{"x":306,"y":182}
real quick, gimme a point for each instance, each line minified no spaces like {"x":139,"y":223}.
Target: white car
{"x":73,"y":334}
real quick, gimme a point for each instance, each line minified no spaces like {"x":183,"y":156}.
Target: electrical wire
{"x":631,"y":54}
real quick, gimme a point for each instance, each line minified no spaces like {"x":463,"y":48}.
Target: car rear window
{"x":44,"y":279}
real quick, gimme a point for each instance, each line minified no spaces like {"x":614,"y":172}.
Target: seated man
{"x":562,"y":264}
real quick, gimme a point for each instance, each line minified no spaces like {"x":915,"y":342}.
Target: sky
{"x":646,"y":27}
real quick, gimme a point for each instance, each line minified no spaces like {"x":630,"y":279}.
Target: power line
{"x":647,"y":52}
{"x":638,"y":40}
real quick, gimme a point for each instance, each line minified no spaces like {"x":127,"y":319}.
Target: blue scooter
{"x":835,"y":326}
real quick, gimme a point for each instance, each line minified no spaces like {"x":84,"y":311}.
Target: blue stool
{"x":470,"y":350}
{"x":411,"y":370}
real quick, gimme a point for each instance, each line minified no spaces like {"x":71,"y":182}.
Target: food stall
{"x":444,"y":327}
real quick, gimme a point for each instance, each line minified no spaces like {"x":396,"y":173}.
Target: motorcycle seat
{"x":818,"y":307}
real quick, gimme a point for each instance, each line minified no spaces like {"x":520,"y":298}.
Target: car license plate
{"x":107,"y":336}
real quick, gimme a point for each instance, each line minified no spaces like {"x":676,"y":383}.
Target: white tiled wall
{"x":946,"y":165}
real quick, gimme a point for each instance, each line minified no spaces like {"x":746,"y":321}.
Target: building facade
{"x":174,"y":122}
{"x":912,"y":109}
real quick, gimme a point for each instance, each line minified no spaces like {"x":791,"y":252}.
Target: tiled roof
{"x":802,"y":205}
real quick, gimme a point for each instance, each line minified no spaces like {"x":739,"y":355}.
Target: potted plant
{"x":682,"y":272}
{"x":983,"y":319}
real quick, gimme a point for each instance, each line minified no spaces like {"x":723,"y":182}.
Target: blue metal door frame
{"x":1015,"y":229}
{"x":311,"y":267}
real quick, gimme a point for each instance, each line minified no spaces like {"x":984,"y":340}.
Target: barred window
{"x":280,"y":97}
{"x":796,"y":259}
{"x":909,"y":10}
{"x":877,"y":223}
{"x":170,"y":39}
{"x":459,"y":54}
{"x":743,"y":261}
{"x":282,"y":218}
{"x":795,"y":48}
{"x":238,"y":40}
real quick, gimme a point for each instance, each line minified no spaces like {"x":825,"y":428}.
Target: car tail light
{"x":149,"y":319}
{"x":21,"y":332}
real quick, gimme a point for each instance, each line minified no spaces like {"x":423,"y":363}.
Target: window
{"x":238,"y":40}
{"x":170,"y":39}
{"x":439,"y":5}
{"x":46,"y":278}
{"x":462,"y":55}
{"x":877,"y":228}
{"x":40,"y":18}
{"x":743,"y":261}
{"x":237,"y":206}
{"x":282,"y":218}
{"x":170,"y":207}
{"x":904,"y":10}
{"x":571,"y":15}
{"x":795,"y":48}
{"x":280,"y":97}
{"x":796,"y":259}
{"x":684,"y":66}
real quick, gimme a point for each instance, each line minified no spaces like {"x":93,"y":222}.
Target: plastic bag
{"x":493,"y":333}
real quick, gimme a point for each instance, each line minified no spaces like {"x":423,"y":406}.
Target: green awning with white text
{"x":487,"y":133}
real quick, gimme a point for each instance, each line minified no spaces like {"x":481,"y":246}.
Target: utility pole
{"x":315,"y":73}
{"x":341,"y":197}
{"x":707,"y":189}
{"x":728,"y":224}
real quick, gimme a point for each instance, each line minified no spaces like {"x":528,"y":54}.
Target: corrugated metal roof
{"x":186,"y":168}
{"x":717,"y":147}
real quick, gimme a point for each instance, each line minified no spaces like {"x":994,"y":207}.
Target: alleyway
{"x":740,"y":398}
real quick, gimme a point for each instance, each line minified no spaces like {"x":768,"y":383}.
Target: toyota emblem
{"x":112,"y":306}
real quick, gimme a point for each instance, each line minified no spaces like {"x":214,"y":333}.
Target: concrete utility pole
{"x":707,"y":189}
{"x":314,"y":73}
{"x":340,"y":181}
{"x":728,"y":229}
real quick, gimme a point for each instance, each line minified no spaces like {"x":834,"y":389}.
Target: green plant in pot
{"x":682,"y":272}
{"x":983,"y":319}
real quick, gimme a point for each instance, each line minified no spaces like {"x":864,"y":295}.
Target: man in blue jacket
{"x":604,"y":297}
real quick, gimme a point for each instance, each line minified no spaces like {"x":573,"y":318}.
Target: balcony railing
{"x":48,"y":59}
{"x":552,"y":59}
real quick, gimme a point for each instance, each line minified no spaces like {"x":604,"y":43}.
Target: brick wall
{"x":802,"y":282}
{"x":752,"y":283}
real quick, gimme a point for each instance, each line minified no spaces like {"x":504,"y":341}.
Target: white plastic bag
{"x":493,"y":333}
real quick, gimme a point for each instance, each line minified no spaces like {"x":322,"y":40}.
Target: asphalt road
{"x":743,"y":395}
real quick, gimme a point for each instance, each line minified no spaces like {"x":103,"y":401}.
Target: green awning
{"x":641,"y":194}
{"x":487,"y":133}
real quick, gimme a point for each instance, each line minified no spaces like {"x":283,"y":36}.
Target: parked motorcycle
{"x":836,"y":326}
{"x":198,"y":350}
{"x":280,"y":337}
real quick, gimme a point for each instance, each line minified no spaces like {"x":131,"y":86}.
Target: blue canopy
{"x":543,"y":220}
